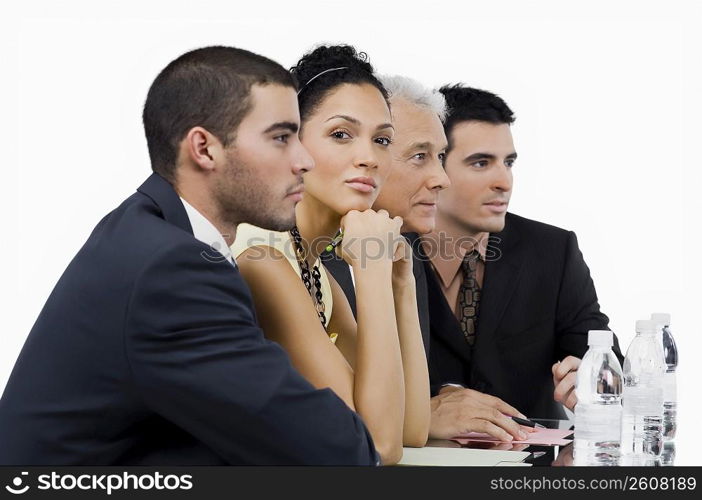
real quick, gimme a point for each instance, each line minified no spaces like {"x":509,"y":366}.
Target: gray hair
{"x":416,"y":93}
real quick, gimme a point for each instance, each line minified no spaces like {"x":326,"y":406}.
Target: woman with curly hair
{"x":376,"y":364}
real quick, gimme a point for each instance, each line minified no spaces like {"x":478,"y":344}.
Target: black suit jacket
{"x":342,"y":274}
{"x":538,"y":304}
{"x":148,"y":352}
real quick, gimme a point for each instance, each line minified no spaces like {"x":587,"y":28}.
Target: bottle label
{"x":669,"y":387}
{"x":642,"y":400}
{"x":598,"y":422}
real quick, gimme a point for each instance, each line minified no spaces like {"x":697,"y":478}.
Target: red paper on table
{"x":547,"y":437}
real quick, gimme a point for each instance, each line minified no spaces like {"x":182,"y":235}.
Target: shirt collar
{"x":206,"y":232}
{"x":447,"y":264}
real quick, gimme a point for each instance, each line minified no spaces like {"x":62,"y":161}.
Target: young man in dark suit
{"x":511,"y":300}
{"x":148,"y":351}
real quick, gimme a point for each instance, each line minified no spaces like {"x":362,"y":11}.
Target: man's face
{"x":262,"y":180}
{"x":479,"y":165}
{"x":417,"y":174}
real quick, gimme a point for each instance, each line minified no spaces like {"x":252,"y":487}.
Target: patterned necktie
{"x":469,"y":296}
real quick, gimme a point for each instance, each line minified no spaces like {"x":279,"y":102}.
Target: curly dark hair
{"x":315,"y":85}
{"x":470,"y":104}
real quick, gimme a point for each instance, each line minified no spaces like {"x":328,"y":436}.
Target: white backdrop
{"x":606,"y":96}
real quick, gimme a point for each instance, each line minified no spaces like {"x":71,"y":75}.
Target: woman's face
{"x":348,"y":136}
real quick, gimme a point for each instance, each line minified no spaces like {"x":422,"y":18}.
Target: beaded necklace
{"x":305,"y":275}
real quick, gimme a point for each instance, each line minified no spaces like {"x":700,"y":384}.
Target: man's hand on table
{"x":456,"y":411}
{"x":565,"y":457}
{"x":564,"y":374}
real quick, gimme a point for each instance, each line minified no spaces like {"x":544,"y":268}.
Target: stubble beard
{"x":242,"y":197}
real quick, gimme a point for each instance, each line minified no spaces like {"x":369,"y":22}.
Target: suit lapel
{"x":421,"y":281}
{"x":444,"y":325}
{"x":502,"y":269}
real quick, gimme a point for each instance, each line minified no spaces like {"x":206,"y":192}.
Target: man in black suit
{"x":147,"y":351}
{"x":511,"y":300}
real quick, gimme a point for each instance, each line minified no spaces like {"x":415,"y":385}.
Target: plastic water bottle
{"x":670,"y":354}
{"x":598,"y":411}
{"x":642,"y":398}
{"x":668,"y":454}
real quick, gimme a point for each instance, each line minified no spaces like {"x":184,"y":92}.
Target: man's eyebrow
{"x":291,"y":126}
{"x":427,"y":145}
{"x":511,"y":156}
{"x":479,"y":156}
{"x":419,"y":145}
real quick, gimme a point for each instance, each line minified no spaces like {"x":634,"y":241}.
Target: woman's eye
{"x":384,"y":141}
{"x":340,"y":134}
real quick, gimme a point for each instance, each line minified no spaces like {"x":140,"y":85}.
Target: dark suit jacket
{"x":342,"y":274}
{"x":538,"y":304}
{"x":148,"y":352}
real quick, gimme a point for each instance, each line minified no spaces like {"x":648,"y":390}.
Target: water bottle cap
{"x":600,"y":338}
{"x":645,"y":325}
{"x":661,"y":319}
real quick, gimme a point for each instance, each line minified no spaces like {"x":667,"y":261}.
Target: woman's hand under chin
{"x":370,"y":239}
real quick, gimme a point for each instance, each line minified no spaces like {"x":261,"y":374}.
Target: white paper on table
{"x":457,"y":457}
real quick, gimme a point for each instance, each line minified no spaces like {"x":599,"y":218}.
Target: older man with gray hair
{"x":419,"y":146}
{"x":411,"y":191}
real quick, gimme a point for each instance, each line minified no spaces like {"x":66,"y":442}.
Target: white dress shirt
{"x":207,"y":233}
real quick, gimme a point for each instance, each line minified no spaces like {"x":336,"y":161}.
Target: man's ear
{"x":203,"y":148}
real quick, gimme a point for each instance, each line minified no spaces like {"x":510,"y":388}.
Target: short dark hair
{"x":318,"y":73}
{"x":208,"y":87}
{"x":470,"y":104}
